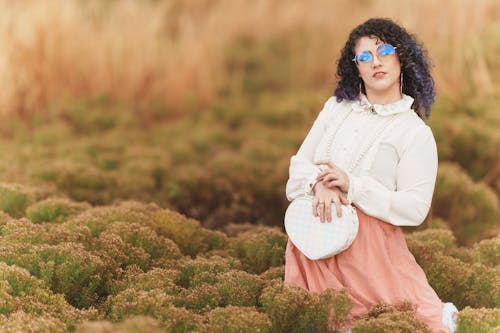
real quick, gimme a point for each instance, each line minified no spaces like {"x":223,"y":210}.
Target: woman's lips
{"x":379,"y":75}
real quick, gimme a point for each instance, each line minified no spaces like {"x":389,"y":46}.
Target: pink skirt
{"x":376,"y":268}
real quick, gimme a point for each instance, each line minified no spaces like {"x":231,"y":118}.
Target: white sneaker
{"x":450,"y":316}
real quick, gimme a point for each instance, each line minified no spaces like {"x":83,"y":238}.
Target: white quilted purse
{"x":316,"y":239}
{"x":320,"y":240}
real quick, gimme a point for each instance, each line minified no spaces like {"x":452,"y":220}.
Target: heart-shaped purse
{"x":316,"y":239}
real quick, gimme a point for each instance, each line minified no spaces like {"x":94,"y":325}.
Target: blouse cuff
{"x":353,"y":187}
{"x":310,"y":182}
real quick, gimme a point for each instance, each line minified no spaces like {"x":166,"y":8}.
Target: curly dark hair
{"x":417,"y":80}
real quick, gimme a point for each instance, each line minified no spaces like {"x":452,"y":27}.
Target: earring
{"x":401,"y":83}
{"x":360,"y":87}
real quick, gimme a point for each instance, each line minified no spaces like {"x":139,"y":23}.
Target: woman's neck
{"x":375,"y":97}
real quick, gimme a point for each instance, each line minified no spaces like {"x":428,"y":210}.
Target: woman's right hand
{"x":324,"y":199}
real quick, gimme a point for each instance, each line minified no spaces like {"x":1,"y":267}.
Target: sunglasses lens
{"x":386,"y":49}
{"x":364,"y":56}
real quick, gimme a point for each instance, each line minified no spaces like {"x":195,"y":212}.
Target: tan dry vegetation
{"x":173,"y":51}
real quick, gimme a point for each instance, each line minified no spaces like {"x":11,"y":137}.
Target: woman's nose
{"x":376,"y":61}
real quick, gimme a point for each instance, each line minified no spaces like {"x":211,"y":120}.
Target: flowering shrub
{"x":200,"y":298}
{"x":234,"y":319}
{"x":66,"y":268}
{"x":487,"y":252}
{"x":454,"y":280}
{"x":441,"y":240}
{"x":15,"y":198}
{"x":131,"y":302}
{"x":154,"y":303}
{"x":156,"y":278}
{"x":133,"y":259}
{"x":80,"y":182}
{"x":23,"y":295}
{"x":98,"y":219}
{"x":191,"y":238}
{"x":272,"y":273}
{"x":397,"y":322}
{"x":239,"y":288}
{"x":472,"y":211}
{"x":194,"y":272}
{"x":397,"y":318}
{"x":293,"y":309}
{"x":261,"y":249}
{"x":138,"y":324}
{"x":21,"y":321}
{"x":116,"y":254}
{"x":54,"y":210}
{"x":144,"y":237}
{"x":469,"y":141}
{"x":180,"y":320}
{"x":481,"y":320}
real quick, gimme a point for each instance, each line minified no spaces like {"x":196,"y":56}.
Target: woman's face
{"x":381,"y":75}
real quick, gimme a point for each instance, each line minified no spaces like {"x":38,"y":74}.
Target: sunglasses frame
{"x":371,"y":54}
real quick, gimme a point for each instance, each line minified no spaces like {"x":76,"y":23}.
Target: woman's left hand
{"x":333,"y":176}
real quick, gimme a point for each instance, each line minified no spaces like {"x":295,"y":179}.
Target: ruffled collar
{"x":363,"y":105}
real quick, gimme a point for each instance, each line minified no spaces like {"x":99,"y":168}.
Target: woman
{"x":384,"y":85}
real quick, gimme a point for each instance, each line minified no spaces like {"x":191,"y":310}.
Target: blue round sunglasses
{"x":366,"y":57}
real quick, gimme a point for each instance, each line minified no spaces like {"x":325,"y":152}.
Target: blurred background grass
{"x":198,"y":105}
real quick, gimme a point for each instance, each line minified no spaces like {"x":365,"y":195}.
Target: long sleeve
{"x":416,"y":174}
{"x":303,"y":171}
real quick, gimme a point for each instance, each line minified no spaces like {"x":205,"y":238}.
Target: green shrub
{"x":187,"y":233}
{"x":200,"y":298}
{"x":272,"y":273}
{"x":487,"y":252}
{"x":454,"y":280}
{"x":98,"y":219}
{"x":23,"y":231}
{"x":259,"y":250}
{"x":54,"y":210}
{"x":393,"y":322}
{"x":194,"y":272}
{"x":126,"y":243}
{"x":294,"y":309}
{"x":398,"y":318}
{"x":180,"y":320}
{"x":481,"y":320}
{"x":117,"y":254}
{"x":239,"y":288}
{"x":29,"y":322}
{"x":138,"y":324}
{"x":471,"y":209}
{"x":441,"y":240}
{"x":471,"y":142}
{"x":23,"y":293}
{"x":144,"y":237}
{"x":15,"y":198}
{"x":81,"y":182}
{"x":211,"y":288}
{"x":233,"y":319}
{"x":156,"y":278}
{"x":66,"y":268}
{"x":157,"y":304}
{"x":131,"y":302}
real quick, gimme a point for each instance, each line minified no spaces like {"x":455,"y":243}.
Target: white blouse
{"x":388,"y":152}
